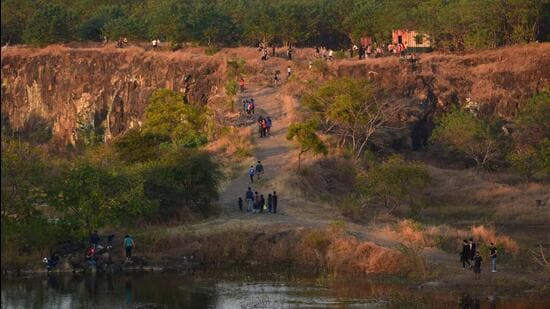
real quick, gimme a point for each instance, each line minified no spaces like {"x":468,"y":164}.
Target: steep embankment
{"x":106,"y":87}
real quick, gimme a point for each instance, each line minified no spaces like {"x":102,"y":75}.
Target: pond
{"x":161,"y":290}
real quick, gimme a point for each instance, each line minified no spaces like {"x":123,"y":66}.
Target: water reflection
{"x":175,"y":291}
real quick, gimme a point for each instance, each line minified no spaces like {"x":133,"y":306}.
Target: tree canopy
{"x":457,"y":25}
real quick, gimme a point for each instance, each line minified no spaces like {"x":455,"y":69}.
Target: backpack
{"x":251,"y":171}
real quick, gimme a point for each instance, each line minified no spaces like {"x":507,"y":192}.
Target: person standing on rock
{"x":465,"y":254}
{"x":249,"y":199}
{"x":274,"y":197}
{"x":493,"y":253}
{"x":251,"y":172}
{"x":128,"y":246}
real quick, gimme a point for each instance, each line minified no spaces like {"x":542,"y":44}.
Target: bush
{"x":169,"y":115}
{"x":464,"y":132}
{"x":135,"y":146}
{"x":395,"y":182}
{"x":183,"y":179}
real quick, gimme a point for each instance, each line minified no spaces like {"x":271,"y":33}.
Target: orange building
{"x":412,"y":39}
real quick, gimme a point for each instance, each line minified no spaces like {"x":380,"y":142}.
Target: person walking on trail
{"x":94,"y":239}
{"x":263,"y":128}
{"x":270,"y":203}
{"x":269,"y":123}
{"x":477,"y":264}
{"x":260,"y":120}
{"x":274,"y":197}
{"x":245,"y":106}
{"x":240,"y":201}
{"x":249,"y":199}
{"x":251,"y":172}
{"x":262,"y":203}
{"x":493,"y":253}
{"x":256,"y":202}
{"x":465,"y":254}
{"x":289,"y":71}
{"x":259,"y":169}
{"x":241,"y":84}
{"x":252,"y":105}
{"x":128,"y":246}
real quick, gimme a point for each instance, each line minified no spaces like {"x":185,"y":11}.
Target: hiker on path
{"x":251,"y":172}
{"x":245,"y":106}
{"x":361,"y":51}
{"x":241,"y":84}
{"x":465,"y":254}
{"x":263,"y":128}
{"x":330,"y":54}
{"x":274,"y":202}
{"x":240,"y":201}
{"x":249,"y":199}
{"x":128,"y":246}
{"x":477,"y":263}
{"x":260,"y":121}
{"x":317,"y":54}
{"x":289,"y":71}
{"x":473,"y":249}
{"x":261,"y":205}
{"x":252,"y":105}
{"x":94,"y":239}
{"x":256,"y":202}
{"x":269,"y":123}
{"x":276,"y":78}
{"x":273,"y":50}
{"x":259,"y":169}
{"x":270,"y":203}
{"x":493,"y":253}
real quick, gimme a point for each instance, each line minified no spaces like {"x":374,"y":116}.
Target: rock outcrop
{"x":101,"y":87}
{"x":495,"y":83}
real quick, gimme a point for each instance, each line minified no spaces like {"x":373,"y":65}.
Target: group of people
{"x":369,"y":51}
{"x":249,"y":105}
{"x":122,"y":41}
{"x":263,"y":48}
{"x":255,"y":171}
{"x":324,"y":53}
{"x":264,"y":126}
{"x":470,"y":255}
{"x":155,"y":43}
{"x":256,"y":203}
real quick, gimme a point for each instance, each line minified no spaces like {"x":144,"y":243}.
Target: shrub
{"x":464,"y":132}
{"x":136,"y":146}
{"x":183,"y":179}
{"x":395,"y":182}
{"x":169,"y":115}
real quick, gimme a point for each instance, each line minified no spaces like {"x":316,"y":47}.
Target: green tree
{"x":349,"y":109}
{"x":49,"y":24}
{"x":304,"y":134}
{"x":169,"y":115}
{"x":395,"y":182}
{"x":465,"y":133}
{"x":183,"y":178}
{"x":136,"y":146}
{"x":91,"y":197}
{"x":531,"y":136}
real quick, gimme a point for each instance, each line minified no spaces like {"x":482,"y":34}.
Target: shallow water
{"x":203,"y":291}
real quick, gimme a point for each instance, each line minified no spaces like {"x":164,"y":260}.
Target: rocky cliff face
{"x":494,"y":83}
{"x":67,"y":88}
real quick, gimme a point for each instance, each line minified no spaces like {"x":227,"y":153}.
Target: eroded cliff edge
{"x":104,"y":87}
